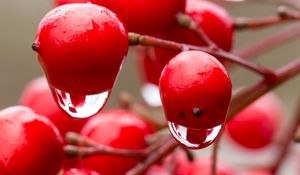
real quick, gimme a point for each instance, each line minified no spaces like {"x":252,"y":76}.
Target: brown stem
{"x":137,"y":39}
{"x":76,"y":139}
{"x":186,"y":21}
{"x":269,"y":42}
{"x":153,"y":158}
{"x":86,"y":147}
{"x":286,"y":140}
{"x":76,"y":151}
{"x":283,"y":15}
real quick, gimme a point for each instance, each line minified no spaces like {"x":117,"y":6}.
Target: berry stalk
{"x":283,"y":15}
{"x":145,"y":40}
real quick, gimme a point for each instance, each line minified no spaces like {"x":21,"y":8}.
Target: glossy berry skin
{"x":147,"y":16}
{"x":213,"y":20}
{"x":257,"y":172}
{"x":81,"y":48}
{"x":38,"y":97}
{"x":119,"y":129}
{"x":141,"y":16}
{"x":256,"y":126}
{"x":81,"y":171}
{"x":192,"y":86}
{"x":30,"y":143}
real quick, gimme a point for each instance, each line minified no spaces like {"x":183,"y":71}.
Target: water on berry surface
{"x":80,"y":106}
{"x":194,"y":138}
{"x":150,"y":93}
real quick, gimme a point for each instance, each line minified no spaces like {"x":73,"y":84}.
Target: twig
{"x":286,"y":140}
{"x":76,"y":151}
{"x":137,"y":39}
{"x":283,"y":15}
{"x":186,"y":21}
{"x":86,"y":147}
{"x":269,"y":42}
{"x":153,"y":158}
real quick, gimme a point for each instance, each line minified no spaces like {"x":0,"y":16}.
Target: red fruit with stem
{"x":116,"y":128}
{"x":81,"y":171}
{"x":30,"y":143}
{"x":81,"y":48}
{"x":213,"y":20}
{"x":38,"y":97}
{"x":192,"y":86}
{"x":256,"y":126}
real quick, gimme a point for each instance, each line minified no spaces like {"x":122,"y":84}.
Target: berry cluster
{"x":81,"y":46}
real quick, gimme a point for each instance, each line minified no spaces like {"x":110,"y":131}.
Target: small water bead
{"x":194,"y":138}
{"x":80,"y":106}
{"x":150,"y":93}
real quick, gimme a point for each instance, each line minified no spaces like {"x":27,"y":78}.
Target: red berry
{"x":213,"y":20}
{"x":147,"y":16}
{"x":119,"y":129}
{"x":142,"y":16}
{"x":76,"y":45}
{"x":77,"y":48}
{"x":81,"y":171}
{"x":256,"y":126}
{"x":192,"y":86}
{"x":30,"y":144}
{"x":38,"y":97}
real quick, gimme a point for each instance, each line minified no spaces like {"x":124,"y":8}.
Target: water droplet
{"x":80,"y":106}
{"x":194,"y":138}
{"x":150,"y":93}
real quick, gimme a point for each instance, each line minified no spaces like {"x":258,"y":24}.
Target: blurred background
{"x":18,"y":63}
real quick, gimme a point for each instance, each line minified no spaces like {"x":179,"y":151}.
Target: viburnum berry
{"x":81,"y":171}
{"x":142,"y":16}
{"x":120,"y":129}
{"x":81,"y":48}
{"x":215,"y":22}
{"x":195,"y":90}
{"x":256,"y":126}
{"x":38,"y":97}
{"x":30,"y":143}
{"x":147,"y":16}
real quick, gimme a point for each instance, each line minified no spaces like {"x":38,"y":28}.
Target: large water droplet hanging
{"x":150,"y":93}
{"x":80,"y":106}
{"x":194,"y":138}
